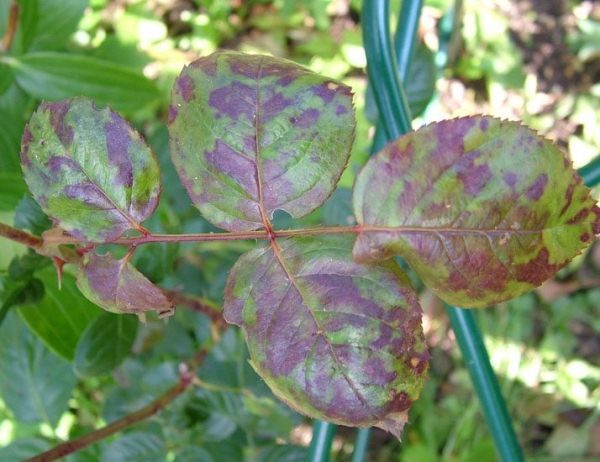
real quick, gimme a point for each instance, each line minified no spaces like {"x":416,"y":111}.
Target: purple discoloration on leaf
{"x":90,"y":172}
{"x":510,"y":178}
{"x":118,"y":139}
{"x":332,"y":338}
{"x":306,"y":119}
{"x":474,"y":230}
{"x":172,"y":115}
{"x":235,"y":100}
{"x":274,"y":106}
{"x":58,"y":112}
{"x":117,"y":286}
{"x":536,"y":190}
{"x":474,"y":177}
{"x":186,"y":88}
{"x":292,"y":144}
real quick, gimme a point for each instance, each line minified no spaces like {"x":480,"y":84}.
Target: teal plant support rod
{"x":320,"y":445}
{"x":591,"y":172}
{"x":361,"y":444}
{"x":404,"y":46}
{"x":395,"y":118}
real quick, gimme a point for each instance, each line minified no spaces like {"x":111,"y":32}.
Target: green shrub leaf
{"x":334,"y":339}
{"x":105,"y":344}
{"x":61,"y":316}
{"x":482,"y":209}
{"x":254,"y":134}
{"x":89,"y":170}
{"x":35,"y":383}
{"x":55,"y":76}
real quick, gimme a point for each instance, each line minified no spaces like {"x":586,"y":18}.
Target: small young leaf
{"x":89,"y":170}
{"x":118,"y":287}
{"x":254,"y":134}
{"x":334,"y":339}
{"x":482,"y":209}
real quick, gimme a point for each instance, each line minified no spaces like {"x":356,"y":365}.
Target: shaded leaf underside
{"x":89,"y":170}
{"x":482,"y":209}
{"x":334,"y":339}
{"x":274,"y":136}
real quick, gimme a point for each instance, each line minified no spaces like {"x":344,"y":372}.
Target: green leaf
{"x":136,"y":447}
{"x":89,"y":170}
{"x":61,"y":317}
{"x":55,"y":76}
{"x":23,"y":448}
{"x":194,"y":454}
{"x":35,"y":384}
{"x":12,"y":189}
{"x":283,"y":453}
{"x":105,"y":344}
{"x":14,"y":105}
{"x":6,"y":77}
{"x":26,"y":30}
{"x":254,"y":134}
{"x":482,"y":209}
{"x":29,"y":215}
{"x":56,"y":21}
{"x":118,"y":287}
{"x":333,"y":339}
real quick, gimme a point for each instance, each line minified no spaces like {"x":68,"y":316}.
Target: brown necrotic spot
{"x":536,"y":270}
{"x":185,"y":86}
{"x":234,"y":100}
{"x":536,"y":190}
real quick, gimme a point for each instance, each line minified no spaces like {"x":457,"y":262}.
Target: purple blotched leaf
{"x":334,"y":339}
{"x":89,"y":170}
{"x":482,"y":209}
{"x":118,"y":287}
{"x":252,"y":134}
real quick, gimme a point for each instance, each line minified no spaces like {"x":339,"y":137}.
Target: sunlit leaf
{"x":253,"y":134}
{"x":118,"y":287}
{"x":334,"y":339}
{"x":55,"y":76}
{"x":89,"y":170}
{"x":483,"y":210}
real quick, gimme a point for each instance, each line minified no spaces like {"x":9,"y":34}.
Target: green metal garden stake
{"x":395,"y":117}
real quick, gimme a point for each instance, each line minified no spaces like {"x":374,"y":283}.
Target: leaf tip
{"x":394,"y":423}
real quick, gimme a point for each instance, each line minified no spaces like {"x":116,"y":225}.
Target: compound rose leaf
{"x":482,"y":209}
{"x":334,"y":339}
{"x":118,"y":287}
{"x":89,"y":170}
{"x":252,"y":134}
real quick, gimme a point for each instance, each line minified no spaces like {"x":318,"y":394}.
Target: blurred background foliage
{"x":66,"y":367}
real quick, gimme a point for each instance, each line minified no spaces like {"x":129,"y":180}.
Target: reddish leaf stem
{"x":21,"y":237}
{"x":186,"y":378}
{"x":11,"y":27}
